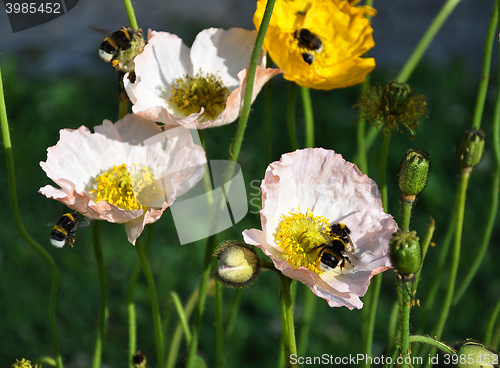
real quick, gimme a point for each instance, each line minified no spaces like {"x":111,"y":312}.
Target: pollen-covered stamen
{"x":128,"y":187}
{"x":190,"y":94}
{"x":301,"y":236}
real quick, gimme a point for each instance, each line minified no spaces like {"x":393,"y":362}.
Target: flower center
{"x":190,"y":94}
{"x":128,"y":187}
{"x":301,"y":237}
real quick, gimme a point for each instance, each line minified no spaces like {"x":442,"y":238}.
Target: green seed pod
{"x":471,"y":147}
{"x":414,"y":172}
{"x":406,"y":254}
{"x":471,"y":354}
{"x":238,"y":264}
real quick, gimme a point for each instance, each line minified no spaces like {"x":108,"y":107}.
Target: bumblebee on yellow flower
{"x":319,"y":43}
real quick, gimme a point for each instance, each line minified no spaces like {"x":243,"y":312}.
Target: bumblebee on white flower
{"x":127,"y":172}
{"x":201,"y":87}
{"x":323,"y":224}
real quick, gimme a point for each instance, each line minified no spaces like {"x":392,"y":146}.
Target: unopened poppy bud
{"x":238,"y":264}
{"x":471,"y":147}
{"x":139,"y":360}
{"x":406,"y":254}
{"x":471,"y":354}
{"x":413,"y":172}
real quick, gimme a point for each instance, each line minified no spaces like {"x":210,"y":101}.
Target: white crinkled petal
{"x":164,"y":59}
{"x":223,"y":52}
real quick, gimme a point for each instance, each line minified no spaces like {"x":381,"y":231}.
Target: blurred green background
{"x":40,"y":104}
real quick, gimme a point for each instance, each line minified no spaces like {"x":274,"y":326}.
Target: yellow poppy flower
{"x":319,"y":43}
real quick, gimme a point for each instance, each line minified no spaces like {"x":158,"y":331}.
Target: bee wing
{"x":84,"y":222}
{"x":102,"y":31}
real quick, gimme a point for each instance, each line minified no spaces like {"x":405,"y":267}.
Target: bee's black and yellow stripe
{"x":117,"y":41}
{"x":63,"y":231}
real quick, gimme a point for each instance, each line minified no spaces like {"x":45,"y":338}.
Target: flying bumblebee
{"x":337,"y":249}
{"x":121,"y":47}
{"x":309,"y":41}
{"x":64,"y":231}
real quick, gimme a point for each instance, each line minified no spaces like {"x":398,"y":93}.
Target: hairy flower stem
{"x":103,"y":295}
{"x":308,"y":116}
{"x":455,"y":255}
{"x":234,"y":152}
{"x":155,"y":309}
{"x":11,"y":178}
{"x":289,"y":344}
{"x":407,"y":207}
{"x":404,"y":309}
{"x":495,"y":138}
{"x":290,"y":116}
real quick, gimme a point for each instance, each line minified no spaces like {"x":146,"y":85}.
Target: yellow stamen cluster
{"x":190,"y":94}
{"x":128,"y":187}
{"x":300,"y":236}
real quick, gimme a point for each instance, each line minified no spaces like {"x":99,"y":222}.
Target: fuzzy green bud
{"x":406,"y":254}
{"x":413,"y":172}
{"x":471,"y":354}
{"x":238,"y":264}
{"x":139,"y":359}
{"x":471,"y":147}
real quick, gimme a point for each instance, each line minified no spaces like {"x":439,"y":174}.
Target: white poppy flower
{"x":201,"y":87}
{"x":128,"y":172}
{"x":302,"y":196}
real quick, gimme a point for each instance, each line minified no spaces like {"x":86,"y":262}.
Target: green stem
{"x":234,"y":152}
{"x":122,"y":109}
{"x":495,"y":185}
{"x":200,"y":307}
{"x":131,"y":15}
{"x":254,"y":59}
{"x":455,"y":255}
{"x":176,"y":339}
{"x":432,"y":342}
{"x":425,"y":246}
{"x":103,"y":295}
{"x":485,"y":74}
{"x":289,"y":345}
{"x":405,"y":320}
{"x":155,"y":309}
{"x":9,"y":158}
{"x":290,"y":116}
{"x":132,"y":333}
{"x":233,"y":313}
{"x":268,"y":104}
{"x":310,"y":301}
{"x":426,"y":39}
{"x":308,"y":116}
{"x":491,"y":324}
{"x":219,"y":324}
{"x":182,"y":317}
{"x":375,"y":286}
{"x":383,"y":170}
{"x":393,"y":320}
{"x":407,"y":207}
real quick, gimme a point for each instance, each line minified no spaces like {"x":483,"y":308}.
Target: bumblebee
{"x":64,"y":231}
{"x":308,"y":40}
{"x":121,"y":47}
{"x":337,"y":249}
